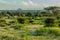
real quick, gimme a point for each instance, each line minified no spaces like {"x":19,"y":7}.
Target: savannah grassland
{"x":40,"y":25}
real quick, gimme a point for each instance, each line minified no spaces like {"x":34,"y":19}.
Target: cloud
{"x":47,"y":5}
{"x":24,"y":4}
{"x":29,"y":3}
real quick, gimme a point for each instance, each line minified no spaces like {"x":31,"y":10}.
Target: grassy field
{"x":40,"y":25}
{"x":46,"y":34}
{"x":12,"y":30}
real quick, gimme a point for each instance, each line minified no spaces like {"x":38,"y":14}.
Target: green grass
{"x":18,"y":31}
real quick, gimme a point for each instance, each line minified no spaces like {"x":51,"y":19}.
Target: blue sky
{"x":27,"y":4}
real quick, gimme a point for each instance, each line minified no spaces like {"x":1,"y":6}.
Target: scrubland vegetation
{"x":40,"y":25}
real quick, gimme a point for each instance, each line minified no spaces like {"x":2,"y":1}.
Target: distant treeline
{"x":48,"y":11}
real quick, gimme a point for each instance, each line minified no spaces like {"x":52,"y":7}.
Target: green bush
{"x":49,"y":22}
{"x":21,"y":20}
{"x":16,"y":26}
{"x":31,"y":21}
{"x":2,"y":24}
{"x":2,"y":20}
{"x":11,"y":22}
{"x":48,"y":31}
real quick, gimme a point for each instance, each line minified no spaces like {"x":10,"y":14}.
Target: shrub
{"x":31,"y":21}
{"x":49,"y":22}
{"x":48,"y":31}
{"x":17,"y":26}
{"x":2,"y":25}
{"x":2,"y":20}
{"x":12,"y":22}
{"x":21,"y":20}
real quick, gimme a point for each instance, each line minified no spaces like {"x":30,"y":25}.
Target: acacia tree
{"x":52,"y":9}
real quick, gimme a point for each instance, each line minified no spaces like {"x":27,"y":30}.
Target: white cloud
{"x":29,"y":3}
{"x":47,"y":5}
{"x":24,"y":3}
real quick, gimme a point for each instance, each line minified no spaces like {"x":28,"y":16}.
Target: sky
{"x":27,"y":4}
